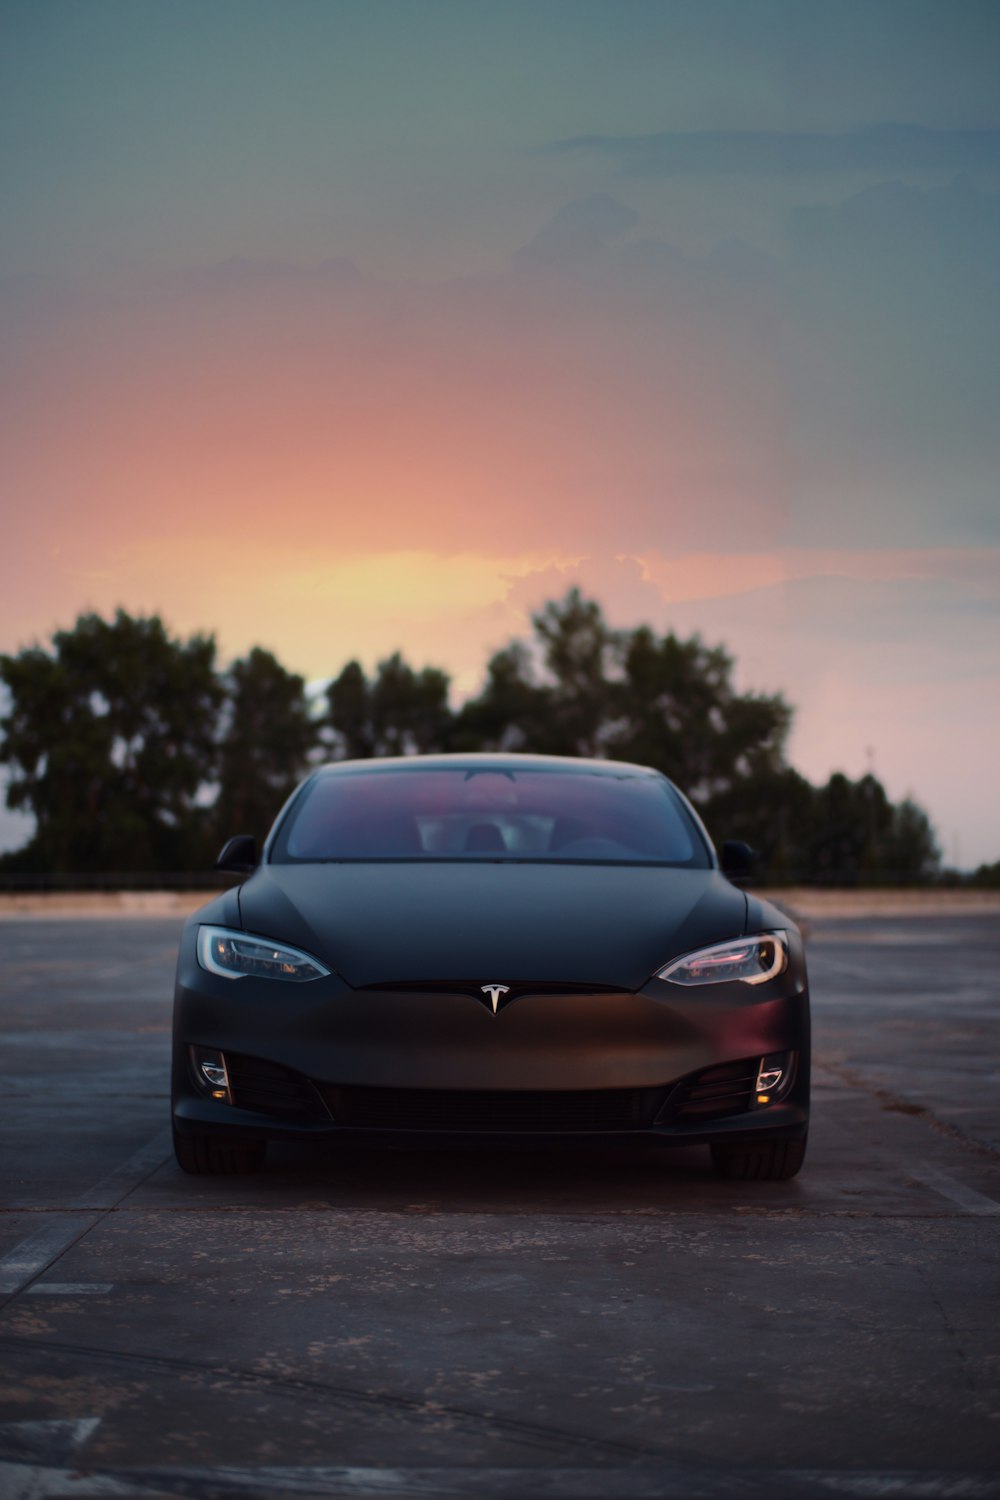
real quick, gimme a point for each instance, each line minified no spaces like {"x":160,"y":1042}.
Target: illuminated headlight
{"x":234,"y":955}
{"x":750,"y":960}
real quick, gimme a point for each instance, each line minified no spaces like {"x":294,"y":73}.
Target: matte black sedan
{"x":513,"y":948}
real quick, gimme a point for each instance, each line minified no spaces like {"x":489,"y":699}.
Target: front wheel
{"x":771,"y":1161}
{"x":203,"y":1156}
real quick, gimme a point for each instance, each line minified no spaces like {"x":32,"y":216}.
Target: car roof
{"x":501,"y":760}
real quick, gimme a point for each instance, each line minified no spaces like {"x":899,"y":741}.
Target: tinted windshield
{"x":483,"y":813}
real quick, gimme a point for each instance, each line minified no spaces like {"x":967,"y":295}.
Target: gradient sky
{"x":337,"y":327}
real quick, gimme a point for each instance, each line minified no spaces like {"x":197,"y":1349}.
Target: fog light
{"x":774,"y":1074}
{"x":210,"y":1071}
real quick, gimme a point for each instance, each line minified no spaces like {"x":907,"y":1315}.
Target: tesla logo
{"x":495,"y":991}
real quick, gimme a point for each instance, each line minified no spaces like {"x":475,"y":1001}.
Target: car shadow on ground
{"x":643,"y":1179}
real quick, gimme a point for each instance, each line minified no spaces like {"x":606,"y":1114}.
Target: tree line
{"x":135,"y":751}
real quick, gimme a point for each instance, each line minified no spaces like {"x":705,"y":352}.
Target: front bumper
{"x":433,"y":1065}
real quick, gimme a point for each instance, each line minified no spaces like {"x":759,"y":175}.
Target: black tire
{"x":771,"y":1161}
{"x":203,"y":1157}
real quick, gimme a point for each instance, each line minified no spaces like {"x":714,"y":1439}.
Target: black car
{"x":513,"y":948}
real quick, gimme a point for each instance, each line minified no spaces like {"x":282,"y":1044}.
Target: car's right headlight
{"x":750,"y":960}
{"x":235,"y":955}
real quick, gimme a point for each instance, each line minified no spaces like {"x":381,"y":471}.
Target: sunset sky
{"x":341,"y":327}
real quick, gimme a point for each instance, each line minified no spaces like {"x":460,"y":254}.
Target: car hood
{"x":389,"y":923}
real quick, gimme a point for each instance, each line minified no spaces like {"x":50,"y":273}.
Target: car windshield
{"x":613,"y":816}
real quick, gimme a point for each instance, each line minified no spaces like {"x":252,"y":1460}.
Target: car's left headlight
{"x":751,"y":960}
{"x":234,"y":955}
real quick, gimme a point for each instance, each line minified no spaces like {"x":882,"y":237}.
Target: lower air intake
{"x":495,"y":1111}
{"x":713,"y":1093}
{"x":271,"y":1089}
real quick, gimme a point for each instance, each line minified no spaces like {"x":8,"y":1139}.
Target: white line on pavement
{"x":636,"y":1483}
{"x":30,"y":1258}
{"x":957,"y":1192}
{"x":26,"y":1482}
{"x":113,"y":1188}
{"x":70,"y":1289}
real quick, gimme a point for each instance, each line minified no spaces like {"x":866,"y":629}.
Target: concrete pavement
{"x":462,"y":1324}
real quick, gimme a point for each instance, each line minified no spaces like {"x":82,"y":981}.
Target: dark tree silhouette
{"x":681,"y":713}
{"x":108,"y":738}
{"x":628,"y":695}
{"x":561,"y":698}
{"x":911,"y":854}
{"x":400,"y":712}
{"x":510,"y":712}
{"x":770,"y":810}
{"x":266,"y":743}
{"x":116,"y":736}
{"x":350,"y":714}
{"x":581,"y":688}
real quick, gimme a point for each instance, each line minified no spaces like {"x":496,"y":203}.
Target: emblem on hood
{"x":495,"y":991}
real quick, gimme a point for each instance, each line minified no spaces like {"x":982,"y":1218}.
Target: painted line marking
{"x":27,"y":1482}
{"x":119,"y":1183}
{"x":21,"y":1482}
{"x":26,"y":1261}
{"x":30,"y":1258}
{"x":69,"y":1289}
{"x":47,"y":1442}
{"x":35,"y":1457}
{"x":949,"y":1187}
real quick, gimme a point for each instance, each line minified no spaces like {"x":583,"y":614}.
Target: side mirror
{"x":238,"y":854}
{"x":738,"y":860}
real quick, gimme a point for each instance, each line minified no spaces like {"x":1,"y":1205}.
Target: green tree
{"x":581,"y":688}
{"x":772,"y":811}
{"x":350,"y":713}
{"x":265,"y":746}
{"x":510,"y":712}
{"x":109,"y":737}
{"x":627,"y":695}
{"x":580,"y":654}
{"x":399,"y":712}
{"x":114,"y":738}
{"x":911,"y":855}
{"x":679,"y":711}
{"x":844,"y":840}
{"x":844,"y":833}
{"x":554,"y":697}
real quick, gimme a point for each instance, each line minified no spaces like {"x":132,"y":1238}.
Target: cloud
{"x":621,"y":394}
{"x":720,"y":574}
{"x":606,"y":394}
{"x":884,"y":149}
{"x":579,"y":229}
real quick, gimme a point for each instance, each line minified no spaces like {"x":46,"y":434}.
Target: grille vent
{"x":272,"y":1089}
{"x":713,"y":1093}
{"x":498,"y":1111}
